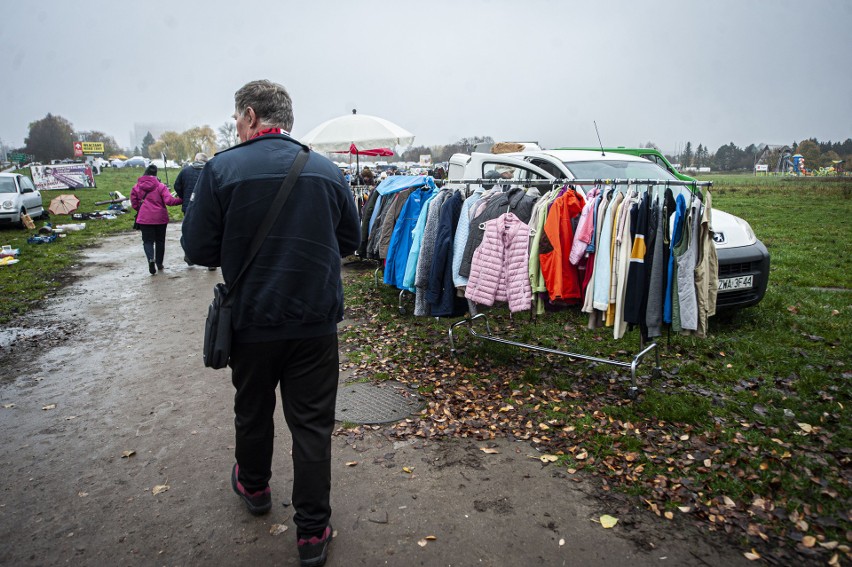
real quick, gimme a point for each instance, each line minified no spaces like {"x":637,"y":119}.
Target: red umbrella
{"x":376,"y":152}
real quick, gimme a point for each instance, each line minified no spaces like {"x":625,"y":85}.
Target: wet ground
{"x":117,"y":445}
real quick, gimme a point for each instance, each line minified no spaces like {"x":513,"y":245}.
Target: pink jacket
{"x":499,"y":270}
{"x":585,"y":226}
{"x":156,"y":196}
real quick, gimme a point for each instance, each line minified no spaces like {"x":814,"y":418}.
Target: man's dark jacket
{"x":292,"y":288}
{"x":185,"y":182}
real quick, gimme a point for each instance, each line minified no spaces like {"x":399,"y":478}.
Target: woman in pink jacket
{"x":150,"y":198}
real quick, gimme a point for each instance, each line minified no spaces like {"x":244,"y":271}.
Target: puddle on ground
{"x":9,"y":336}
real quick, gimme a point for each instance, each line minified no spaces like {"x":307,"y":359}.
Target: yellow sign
{"x":93,"y":147}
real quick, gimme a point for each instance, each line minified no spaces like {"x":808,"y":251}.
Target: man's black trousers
{"x":307,"y":370}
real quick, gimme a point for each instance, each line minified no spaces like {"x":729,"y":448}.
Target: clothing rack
{"x":632,"y":391}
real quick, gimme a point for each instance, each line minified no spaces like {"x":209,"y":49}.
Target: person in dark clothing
{"x":150,"y":197}
{"x":186,"y":179}
{"x":185,"y":184}
{"x":288,"y":303}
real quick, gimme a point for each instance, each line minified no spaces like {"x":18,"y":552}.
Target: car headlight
{"x":750,"y":236}
{"x":8,"y":204}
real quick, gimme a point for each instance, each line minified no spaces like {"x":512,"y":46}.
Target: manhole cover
{"x":375,"y":403}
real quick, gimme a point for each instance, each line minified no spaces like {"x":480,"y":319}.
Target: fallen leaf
{"x":684,"y":437}
{"x":561,"y":542}
{"x":828,"y":544}
{"x":707,"y":462}
{"x":668,"y":514}
{"x":422,"y":543}
{"x":608,"y":521}
{"x":159,"y":488}
{"x":127,"y":454}
{"x":685,"y":509}
{"x":582,"y":455}
{"x":489,"y":450}
{"x":806,"y":427}
{"x":728,"y":502}
{"x":8,"y":406}
{"x":70,"y":417}
{"x":431,"y":538}
{"x":809,"y":541}
{"x":548,"y":458}
{"x":278,"y":529}
{"x":406,"y":470}
{"x":834,"y":561}
{"x":351,"y":463}
{"x":49,"y":406}
{"x":752,"y":555}
{"x":84,"y":494}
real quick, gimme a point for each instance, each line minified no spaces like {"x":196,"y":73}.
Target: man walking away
{"x":287,"y":305}
{"x":185,"y":183}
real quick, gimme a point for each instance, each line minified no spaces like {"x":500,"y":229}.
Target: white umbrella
{"x":366,"y":132}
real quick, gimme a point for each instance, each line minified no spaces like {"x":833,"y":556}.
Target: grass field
{"x":756,"y":412}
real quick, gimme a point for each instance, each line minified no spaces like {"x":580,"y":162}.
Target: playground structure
{"x":787,"y":162}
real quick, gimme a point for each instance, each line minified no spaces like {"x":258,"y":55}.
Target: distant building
{"x":156,"y":129}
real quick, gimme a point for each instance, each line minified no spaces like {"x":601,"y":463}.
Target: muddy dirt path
{"x":104,"y":400}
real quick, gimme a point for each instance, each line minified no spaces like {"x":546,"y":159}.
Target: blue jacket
{"x":402,"y":238}
{"x":185,"y":182}
{"x":292,"y":288}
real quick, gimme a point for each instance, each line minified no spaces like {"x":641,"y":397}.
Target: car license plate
{"x":740,"y":282}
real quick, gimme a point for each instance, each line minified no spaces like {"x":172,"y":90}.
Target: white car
{"x":18,"y":195}
{"x":743,"y":259}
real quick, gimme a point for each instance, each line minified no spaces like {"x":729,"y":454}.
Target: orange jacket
{"x":560,"y":276}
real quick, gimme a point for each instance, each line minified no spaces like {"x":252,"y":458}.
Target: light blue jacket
{"x":462,"y":231}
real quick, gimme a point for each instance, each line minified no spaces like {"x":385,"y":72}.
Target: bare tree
{"x":227,"y":135}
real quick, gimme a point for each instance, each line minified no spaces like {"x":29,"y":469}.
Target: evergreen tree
{"x":146,"y":143}
{"x":687,"y":156}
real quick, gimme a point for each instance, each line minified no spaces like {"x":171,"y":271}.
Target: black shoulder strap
{"x":272,"y":214}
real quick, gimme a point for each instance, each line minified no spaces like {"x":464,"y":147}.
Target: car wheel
{"x":21,"y":217}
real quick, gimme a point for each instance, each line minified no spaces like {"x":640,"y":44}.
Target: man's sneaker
{"x":259,"y":502}
{"x":314,"y":551}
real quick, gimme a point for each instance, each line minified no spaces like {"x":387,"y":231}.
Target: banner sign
{"x":88,"y":148}
{"x":93,"y":147}
{"x":62,"y":176}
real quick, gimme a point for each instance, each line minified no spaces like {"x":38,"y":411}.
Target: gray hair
{"x":270,"y":102}
{"x":201,"y":157}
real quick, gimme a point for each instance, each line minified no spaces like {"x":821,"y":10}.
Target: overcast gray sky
{"x":713,"y":71}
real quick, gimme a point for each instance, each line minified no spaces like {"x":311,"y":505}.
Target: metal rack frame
{"x":632,"y":391}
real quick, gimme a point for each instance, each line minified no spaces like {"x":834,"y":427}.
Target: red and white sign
{"x":78,"y":149}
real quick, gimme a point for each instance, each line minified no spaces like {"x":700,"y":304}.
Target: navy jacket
{"x":185,"y":182}
{"x":292,"y":288}
{"x":441,"y":293}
